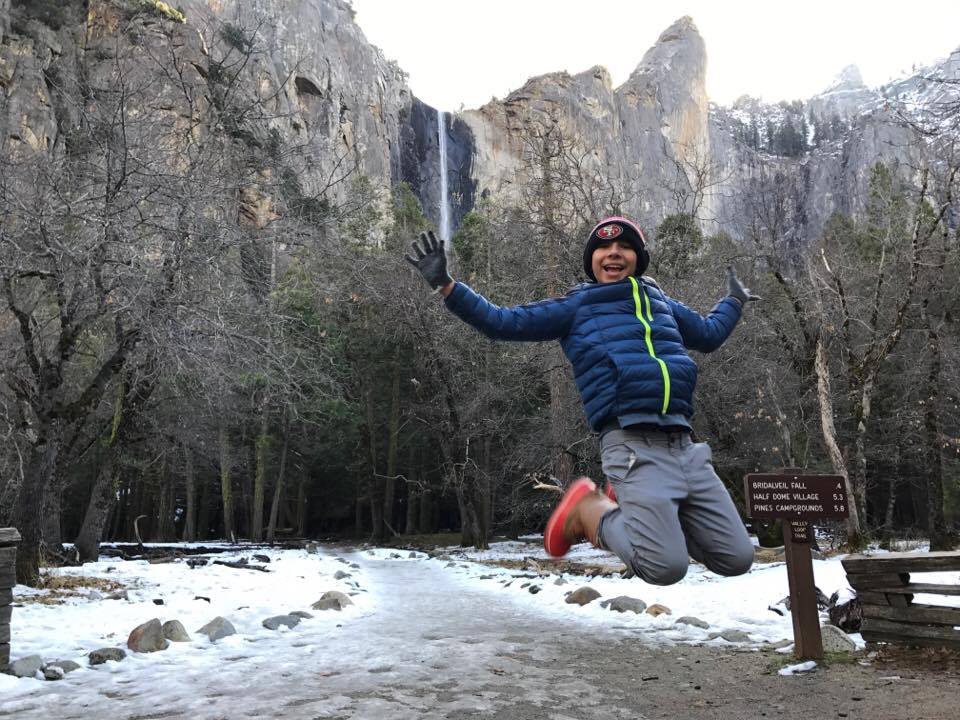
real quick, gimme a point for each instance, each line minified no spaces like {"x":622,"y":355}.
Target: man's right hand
{"x":431,"y":260}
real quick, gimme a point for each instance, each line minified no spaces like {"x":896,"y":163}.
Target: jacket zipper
{"x":647,"y":336}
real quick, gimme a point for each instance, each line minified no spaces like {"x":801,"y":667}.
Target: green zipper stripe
{"x":647,"y":331}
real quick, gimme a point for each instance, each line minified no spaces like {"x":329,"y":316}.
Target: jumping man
{"x":627,"y":342}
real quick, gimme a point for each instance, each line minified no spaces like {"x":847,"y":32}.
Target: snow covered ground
{"x":403,"y":603}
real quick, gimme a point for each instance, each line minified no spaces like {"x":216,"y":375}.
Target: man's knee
{"x":666,"y":572}
{"x":734,"y":564}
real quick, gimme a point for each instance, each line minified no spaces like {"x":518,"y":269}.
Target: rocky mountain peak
{"x":847,"y":79}
{"x":679,"y":48}
{"x":598,"y":73}
{"x":678,"y":29}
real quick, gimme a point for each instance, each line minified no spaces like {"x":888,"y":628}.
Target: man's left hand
{"x":736,"y":289}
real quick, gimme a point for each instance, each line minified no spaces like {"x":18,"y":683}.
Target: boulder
{"x":625,"y":603}
{"x":691,"y":620}
{"x":174,"y":631}
{"x":836,"y":640}
{"x":147,"y":637}
{"x":582,"y":596}
{"x":53,"y":672}
{"x":848,"y":616}
{"x":63,"y":666}
{"x":779,"y":644}
{"x":332,"y":600}
{"x":657,"y":609}
{"x":273,"y":623}
{"x":733,"y":636}
{"x":340,"y":575}
{"x":311,"y":548}
{"x":26,"y":667}
{"x":218,"y":628}
{"x":98,"y":657}
{"x":302,"y":614}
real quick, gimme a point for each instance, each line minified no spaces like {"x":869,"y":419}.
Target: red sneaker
{"x":554,"y":541}
{"x":610,"y":492}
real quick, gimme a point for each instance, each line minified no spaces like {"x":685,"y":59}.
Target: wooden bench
{"x":9,"y":538}
{"x":883,"y":584}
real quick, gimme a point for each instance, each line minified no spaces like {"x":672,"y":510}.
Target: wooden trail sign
{"x":797,"y":499}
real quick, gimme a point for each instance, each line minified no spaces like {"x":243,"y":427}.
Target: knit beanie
{"x":612,"y":228}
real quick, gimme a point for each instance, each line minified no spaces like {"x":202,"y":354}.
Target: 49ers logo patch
{"x":609,"y":232}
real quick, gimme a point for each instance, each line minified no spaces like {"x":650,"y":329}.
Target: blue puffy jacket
{"x":627,"y":342}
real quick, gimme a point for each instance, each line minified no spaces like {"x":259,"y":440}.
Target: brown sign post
{"x":797,"y":498}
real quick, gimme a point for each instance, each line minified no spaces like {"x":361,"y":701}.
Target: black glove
{"x":431,"y":260}
{"x":736,"y":290}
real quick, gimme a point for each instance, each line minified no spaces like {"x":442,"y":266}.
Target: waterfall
{"x":444,"y":199}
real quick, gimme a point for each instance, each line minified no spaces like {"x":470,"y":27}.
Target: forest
{"x":196,"y":345}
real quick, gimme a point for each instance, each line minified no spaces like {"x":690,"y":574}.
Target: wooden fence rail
{"x":9,"y":538}
{"x":883,"y":584}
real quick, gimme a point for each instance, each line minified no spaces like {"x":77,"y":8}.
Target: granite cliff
{"x":327,"y":91}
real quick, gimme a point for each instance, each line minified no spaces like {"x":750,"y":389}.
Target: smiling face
{"x":613,"y":260}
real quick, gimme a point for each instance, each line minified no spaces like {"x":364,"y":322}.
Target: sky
{"x":464,"y":52}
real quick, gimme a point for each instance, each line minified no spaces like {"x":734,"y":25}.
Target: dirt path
{"x":505,"y":664}
{"x":439,"y":647}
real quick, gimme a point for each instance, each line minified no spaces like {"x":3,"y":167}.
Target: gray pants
{"x":672,"y":504}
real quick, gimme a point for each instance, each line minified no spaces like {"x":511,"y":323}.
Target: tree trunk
{"x":389,"y":486}
{"x":858,"y":477}
{"x":39,"y":468}
{"x":376,"y":483}
{"x":170,"y":527}
{"x":469,"y":532}
{"x":486,"y":492}
{"x":514,"y":511}
{"x":941,"y":538}
{"x":413,"y":511}
{"x":359,"y":508}
{"x":189,"y":480}
{"x":888,"y":515}
{"x":102,"y":499}
{"x":117,"y":522}
{"x":245,"y":522}
{"x":854,"y":530}
{"x":561,"y":462}
{"x":226,"y":485}
{"x":278,"y":489}
{"x":134,"y":503}
{"x":425,"y":523}
{"x":165,"y":508}
{"x":413,"y":494}
{"x":302,"y":507}
{"x":203,"y":512}
{"x":260,"y":473}
{"x":52,"y":513}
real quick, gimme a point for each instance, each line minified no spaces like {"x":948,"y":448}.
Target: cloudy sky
{"x":467,"y":51}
